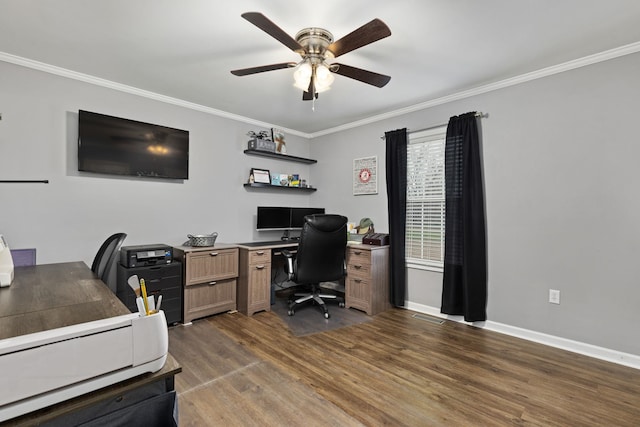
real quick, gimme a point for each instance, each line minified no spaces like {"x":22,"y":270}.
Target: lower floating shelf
{"x":278,"y":187}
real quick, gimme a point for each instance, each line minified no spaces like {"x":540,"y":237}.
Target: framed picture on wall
{"x":365,"y":176}
{"x":261,"y":176}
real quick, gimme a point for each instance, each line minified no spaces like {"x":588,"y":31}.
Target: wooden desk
{"x":51,"y":296}
{"x":254,"y":281}
{"x":366,"y":284}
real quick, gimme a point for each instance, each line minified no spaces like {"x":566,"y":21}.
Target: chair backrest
{"x":106,"y":255}
{"x":321,"y":251}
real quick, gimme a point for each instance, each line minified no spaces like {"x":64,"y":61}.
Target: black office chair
{"x":320,"y":258}
{"x":106,"y":256}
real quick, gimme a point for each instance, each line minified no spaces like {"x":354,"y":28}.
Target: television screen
{"x":116,"y":146}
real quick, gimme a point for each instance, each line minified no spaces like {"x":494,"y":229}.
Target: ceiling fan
{"x":314,"y":74}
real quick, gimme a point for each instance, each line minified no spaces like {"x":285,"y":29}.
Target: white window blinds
{"x":425,"y":199}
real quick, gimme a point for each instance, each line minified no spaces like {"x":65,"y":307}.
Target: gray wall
{"x":69,"y":218}
{"x":562,"y":183}
{"x":560,"y":175}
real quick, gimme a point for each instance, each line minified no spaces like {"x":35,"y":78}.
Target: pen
{"x":143,"y":288}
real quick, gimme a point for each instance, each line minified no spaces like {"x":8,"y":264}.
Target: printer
{"x":146,"y":255}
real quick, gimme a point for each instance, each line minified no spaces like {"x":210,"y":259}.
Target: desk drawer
{"x":211,"y":265}
{"x":358,"y":293}
{"x":358,"y":256}
{"x":359,"y":269}
{"x":260,"y":256}
{"x":209,"y":298}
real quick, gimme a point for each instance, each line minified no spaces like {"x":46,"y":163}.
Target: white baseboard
{"x":626,"y":359}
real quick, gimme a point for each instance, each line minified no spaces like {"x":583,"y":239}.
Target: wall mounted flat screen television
{"x":283,"y":218}
{"x":116,"y":146}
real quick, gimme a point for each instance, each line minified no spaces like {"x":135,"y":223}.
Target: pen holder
{"x":150,"y":338}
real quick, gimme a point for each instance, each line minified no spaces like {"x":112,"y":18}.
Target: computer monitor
{"x":298,"y":214}
{"x":283,"y":218}
{"x":273,"y":218}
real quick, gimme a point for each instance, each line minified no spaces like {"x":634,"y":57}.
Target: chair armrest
{"x":289,"y":265}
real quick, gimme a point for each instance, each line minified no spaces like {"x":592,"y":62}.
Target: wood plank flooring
{"x":395,"y":370}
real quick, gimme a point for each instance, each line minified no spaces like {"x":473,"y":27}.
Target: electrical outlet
{"x":554,"y":296}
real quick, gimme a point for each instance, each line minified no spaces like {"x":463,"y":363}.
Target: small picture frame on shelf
{"x":261,"y":176}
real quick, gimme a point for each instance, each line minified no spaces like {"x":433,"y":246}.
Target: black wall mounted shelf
{"x":259,"y":185}
{"x":278,"y":156}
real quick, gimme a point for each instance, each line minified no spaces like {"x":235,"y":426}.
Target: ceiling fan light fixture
{"x":324,"y":78}
{"x":302,"y":75}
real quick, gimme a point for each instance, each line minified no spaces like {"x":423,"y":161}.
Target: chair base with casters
{"x":314,"y":297}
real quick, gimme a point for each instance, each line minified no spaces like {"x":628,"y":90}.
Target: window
{"x":425,"y":199}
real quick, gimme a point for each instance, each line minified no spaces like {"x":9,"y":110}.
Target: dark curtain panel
{"x":396,"y":165}
{"x":464,"y":287}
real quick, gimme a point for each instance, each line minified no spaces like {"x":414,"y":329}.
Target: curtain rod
{"x":25,"y":181}
{"x":478,"y":114}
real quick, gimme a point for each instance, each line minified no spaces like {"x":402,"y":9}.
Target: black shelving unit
{"x":162,"y":279}
{"x":277,"y":187}
{"x":278,"y":156}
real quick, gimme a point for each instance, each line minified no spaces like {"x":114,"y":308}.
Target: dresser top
{"x":217,"y":246}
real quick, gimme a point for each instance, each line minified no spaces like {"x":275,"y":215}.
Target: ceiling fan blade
{"x":262,"y":22}
{"x":262,"y":69}
{"x":368,"y":33}
{"x":369,"y":77}
{"x":310,"y":93}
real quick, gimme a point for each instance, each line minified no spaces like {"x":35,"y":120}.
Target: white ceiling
{"x":184,"y":49}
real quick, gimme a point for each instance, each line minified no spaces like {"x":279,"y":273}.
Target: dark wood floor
{"x":395,"y":370}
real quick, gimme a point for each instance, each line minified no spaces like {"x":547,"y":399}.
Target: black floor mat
{"x":309,"y":318}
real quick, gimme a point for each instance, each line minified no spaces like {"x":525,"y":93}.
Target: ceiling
{"x":185,"y":49}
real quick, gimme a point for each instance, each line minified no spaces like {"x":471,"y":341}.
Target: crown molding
{"x":523,"y":78}
{"x":86,"y":78}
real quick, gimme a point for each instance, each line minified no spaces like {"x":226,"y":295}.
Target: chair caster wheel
{"x":291,"y":312}
{"x":326,"y":315}
{"x":341,"y":305}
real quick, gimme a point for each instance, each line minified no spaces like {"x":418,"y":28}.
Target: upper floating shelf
{"x":280,"y":156}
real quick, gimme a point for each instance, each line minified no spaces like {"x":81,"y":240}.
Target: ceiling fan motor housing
{"x":315,"y":42}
